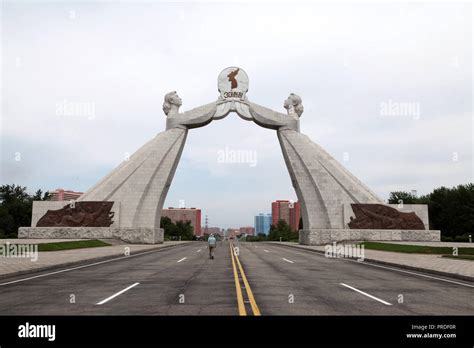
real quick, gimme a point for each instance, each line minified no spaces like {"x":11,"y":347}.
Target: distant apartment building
{"x":263,"y":223}
{"x":250,"y":231}
{"x":212,"y":230}
{"x":288,"y":211}
{"x":185,"y":214}
{"x":232,"y":232}
{"x":64,"y":195}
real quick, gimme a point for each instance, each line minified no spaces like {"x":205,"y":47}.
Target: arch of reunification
{"x":127,"y":203}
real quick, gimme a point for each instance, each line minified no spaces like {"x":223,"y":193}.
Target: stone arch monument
{"x":127,"y":203}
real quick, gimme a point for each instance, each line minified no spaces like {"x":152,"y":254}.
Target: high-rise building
{"x":185,"y":214}
{"x":288,"y":211}
{"x":64,"y":195}
{"x":250,"y":231}
{"x":262,"y":223}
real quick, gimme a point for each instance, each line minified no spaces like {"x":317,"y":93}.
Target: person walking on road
{"x":212,"y":243}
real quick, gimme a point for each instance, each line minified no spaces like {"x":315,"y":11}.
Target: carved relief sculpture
{"x":379,"y":216}
{"x":84,"y":214}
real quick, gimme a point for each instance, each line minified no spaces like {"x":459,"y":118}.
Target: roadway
{"x":257,"y":278}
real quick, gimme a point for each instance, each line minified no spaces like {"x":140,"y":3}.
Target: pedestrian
{"x":212,"y":243}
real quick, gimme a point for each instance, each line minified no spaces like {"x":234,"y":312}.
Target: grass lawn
{"x":71,"y":245}
{"x":415,"y":249}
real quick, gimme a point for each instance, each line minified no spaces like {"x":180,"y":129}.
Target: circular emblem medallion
{"x":233,"y":83}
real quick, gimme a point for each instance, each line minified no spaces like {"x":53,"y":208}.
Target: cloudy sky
{"x":387,"y":90}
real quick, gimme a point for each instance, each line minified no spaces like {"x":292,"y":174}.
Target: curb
{"x":391,"y":264}
{"x":83,"y":262}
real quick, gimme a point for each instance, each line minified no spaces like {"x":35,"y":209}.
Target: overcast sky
{"x":353,"y":66}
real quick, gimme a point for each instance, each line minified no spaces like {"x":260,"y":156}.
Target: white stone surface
{"x":326,"y":236}
{"x":140,"y":184}
{"x":197,"y":117}
{"x":322,"y":184}
{"x":130,"y":235}
{"x":268,"y":118}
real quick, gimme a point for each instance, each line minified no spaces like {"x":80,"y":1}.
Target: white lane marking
{"x":390,"y":268}
{"x":117,"y":294}
{"x":184,"y":258}
{"x":288,"y":260}
{"x":266,"y":250}
{"x":366,"y":294}
{"x":79,"y":267}
{"x":198,"y":250}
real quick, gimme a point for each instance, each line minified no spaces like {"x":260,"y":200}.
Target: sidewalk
{"x":48,"y":260}
{"x":461,"y":269}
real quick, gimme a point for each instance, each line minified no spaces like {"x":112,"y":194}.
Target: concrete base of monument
{"x":130,"y":235}
{"x":327,"y":236}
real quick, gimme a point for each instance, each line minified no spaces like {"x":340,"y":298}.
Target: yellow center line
{"x":238,"y":289}
{"x":253,"y":304}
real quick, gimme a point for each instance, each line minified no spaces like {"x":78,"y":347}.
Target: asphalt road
{"x":262,"y":278}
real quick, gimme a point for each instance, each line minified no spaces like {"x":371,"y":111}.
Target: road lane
{"x":162,"y":280}
{"x":197,"y":286}
{"x":273,"y":280}
{"x":283,"y":288}
{"x":317,"y":279}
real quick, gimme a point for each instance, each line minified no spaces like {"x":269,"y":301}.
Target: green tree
{"x":185,"y":230}
{"x":170,"y":229}
{"x":15,"y":208}
{"x":398,"y":197}
{"x":39,"y":196}
{"x":180,"y":230}
{"x":451,"y":210}
{"x":282,"y":230}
